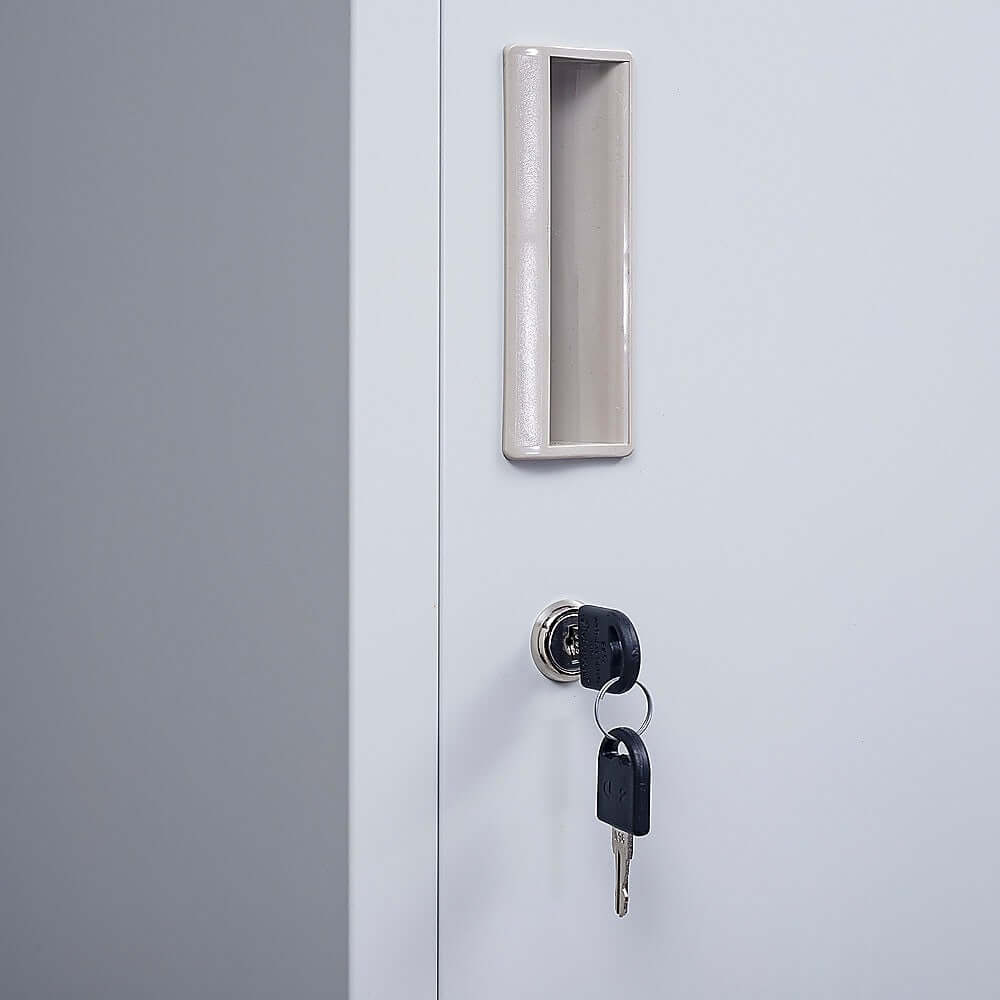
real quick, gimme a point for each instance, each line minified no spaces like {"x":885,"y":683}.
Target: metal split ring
{"x":604,"y":691}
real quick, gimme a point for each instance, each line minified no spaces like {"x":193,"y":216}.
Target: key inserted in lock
{"x":573,"y":641}
{"x":600,"y":647}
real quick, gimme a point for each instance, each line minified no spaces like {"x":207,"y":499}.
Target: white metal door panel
{"x":807,"y":535}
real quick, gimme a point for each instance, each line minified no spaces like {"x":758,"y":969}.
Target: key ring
{"x":600,"y":698}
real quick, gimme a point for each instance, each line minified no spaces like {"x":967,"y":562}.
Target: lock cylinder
{"x":597,"y":646}
{"x":555,"y":641}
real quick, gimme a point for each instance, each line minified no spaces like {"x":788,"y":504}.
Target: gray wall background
{"x":173,"y":215}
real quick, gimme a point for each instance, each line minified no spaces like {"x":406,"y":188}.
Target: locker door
{"x":806,"y":535}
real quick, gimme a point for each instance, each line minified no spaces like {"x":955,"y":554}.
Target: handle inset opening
{"x":588,"y":367}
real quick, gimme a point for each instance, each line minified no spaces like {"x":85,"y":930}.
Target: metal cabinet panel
{"x":806,"y":536}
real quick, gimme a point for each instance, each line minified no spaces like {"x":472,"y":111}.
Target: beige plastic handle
{"x":567,"y":263}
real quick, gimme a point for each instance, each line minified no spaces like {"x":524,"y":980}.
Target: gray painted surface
{"x":173,"y":499}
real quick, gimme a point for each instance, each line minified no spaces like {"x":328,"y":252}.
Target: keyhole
{"x":571,"y":642}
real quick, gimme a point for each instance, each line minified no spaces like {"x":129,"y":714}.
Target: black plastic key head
{"x":609,"y":647}
{"x":623,"y":782}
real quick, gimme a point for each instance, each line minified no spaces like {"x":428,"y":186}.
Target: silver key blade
{"x":621,"y":846}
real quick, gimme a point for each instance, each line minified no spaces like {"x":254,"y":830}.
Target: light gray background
{"x":173,"y":212}
{"x":807,"y":535}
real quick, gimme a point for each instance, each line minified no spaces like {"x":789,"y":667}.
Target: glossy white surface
{"x":807,"y":536}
